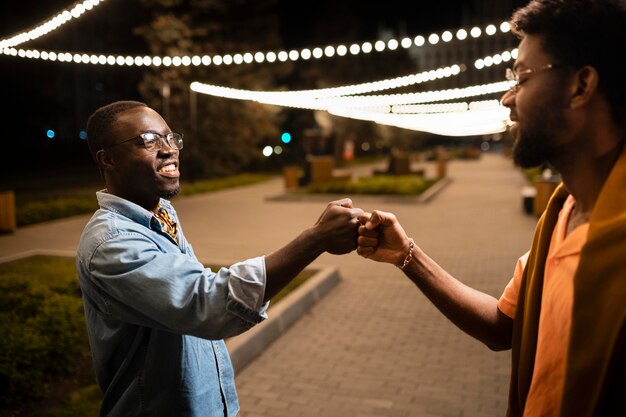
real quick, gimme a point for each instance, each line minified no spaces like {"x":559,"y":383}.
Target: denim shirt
{"x":156,"y":316}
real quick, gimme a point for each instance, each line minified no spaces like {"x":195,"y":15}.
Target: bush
{"x":58,"y":208}
{"x":383,"y":184}
{"x":44,"y":342}
{"x":205,"y":186}
{"x":42,"y":333}
{"x":84,"y":402}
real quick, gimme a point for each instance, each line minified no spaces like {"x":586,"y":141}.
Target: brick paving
{"x":374,"y":346}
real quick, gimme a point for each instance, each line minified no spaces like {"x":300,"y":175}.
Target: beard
{"x":536,"y":142}
{"x":533,"y":148}
{"x":169,"y":193}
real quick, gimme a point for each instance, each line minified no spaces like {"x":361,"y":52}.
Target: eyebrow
{"x":158,"y":133}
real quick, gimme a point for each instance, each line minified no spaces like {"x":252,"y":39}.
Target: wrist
{"x":408,"y":255}
{"x":314,"y":240}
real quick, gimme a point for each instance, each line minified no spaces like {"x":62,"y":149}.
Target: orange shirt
{"x":546,"y":388}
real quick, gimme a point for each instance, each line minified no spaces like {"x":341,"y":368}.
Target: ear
{"x":105,"y":161}
{"x":584,"y":87}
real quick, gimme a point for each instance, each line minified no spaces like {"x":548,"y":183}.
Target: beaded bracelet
{"x":409,"y":256}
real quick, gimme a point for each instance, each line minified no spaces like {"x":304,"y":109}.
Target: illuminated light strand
{"x":50,"y":25}
{"x":442,"y":107}
{"x":467,"y":123}
{"x":427,"y":108}
{"x":278,"y":97}
{"x":329,"y":51}
{"x":414,"y":98}
{"x":432,"y":107}
{"x":323,"y":99}
{"x":399,"y":110}
{"x":335,"y":100}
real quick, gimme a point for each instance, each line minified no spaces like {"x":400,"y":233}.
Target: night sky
{"x":25,"y":80}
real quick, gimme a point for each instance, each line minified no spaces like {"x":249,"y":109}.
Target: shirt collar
{"x":571,"y":244}
{"x":129,"y":209}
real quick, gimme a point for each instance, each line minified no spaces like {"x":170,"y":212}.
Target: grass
{"x":51,"y":204}
{"x":74,"y":392}
{"x":377,"y":185}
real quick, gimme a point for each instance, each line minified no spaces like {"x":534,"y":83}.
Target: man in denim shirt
{"x":156,"y":316}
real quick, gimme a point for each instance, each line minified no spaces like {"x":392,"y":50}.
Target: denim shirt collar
{"x":129,"y":209}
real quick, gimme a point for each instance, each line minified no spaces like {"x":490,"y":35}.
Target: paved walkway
{"x":374,"y":346}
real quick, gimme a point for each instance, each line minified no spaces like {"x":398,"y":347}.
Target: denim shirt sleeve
{"x":133,"y":278}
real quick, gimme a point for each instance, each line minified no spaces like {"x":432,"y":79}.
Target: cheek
{"x":138,"y":166}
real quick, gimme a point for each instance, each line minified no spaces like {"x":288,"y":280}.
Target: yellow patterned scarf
{"x":168,"y":225}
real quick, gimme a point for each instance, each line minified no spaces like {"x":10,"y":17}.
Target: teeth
{"x":168,"y":168}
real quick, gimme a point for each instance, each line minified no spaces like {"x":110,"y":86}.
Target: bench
{"x":322,"y":169}
{"x":317,"y":169}
{"x":399,"y":164}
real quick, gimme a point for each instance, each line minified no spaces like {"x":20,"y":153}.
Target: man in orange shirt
{"x":564,"y":312}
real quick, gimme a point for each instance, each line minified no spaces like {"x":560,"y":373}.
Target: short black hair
{"x":580,"y":33}
{"x":100,"y":122}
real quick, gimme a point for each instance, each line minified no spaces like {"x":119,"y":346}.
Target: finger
{"x":357,"y":212}
{"x":363,"y":231}
{"x":367,"y":241}
{"x":382,"y":218}
{"x":374,"y":220}
{"x":364,"y":252}
{"x":363,"y":218}
{"x":344,"y":202}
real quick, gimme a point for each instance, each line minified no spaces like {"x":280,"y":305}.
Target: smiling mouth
{"x":169,"y":170}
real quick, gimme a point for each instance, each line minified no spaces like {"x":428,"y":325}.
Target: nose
{"x":168,"y":148}
{"x":507,"y":99}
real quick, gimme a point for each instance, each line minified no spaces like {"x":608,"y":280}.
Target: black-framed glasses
{"x":514,"y":80}
{"x":153,"y":141}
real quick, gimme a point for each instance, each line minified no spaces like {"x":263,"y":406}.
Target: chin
{"x":169,"y":194}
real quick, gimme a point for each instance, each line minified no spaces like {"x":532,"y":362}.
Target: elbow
{"x":500,"y":339}
{"x":224,"y":329}
{"x":498,"y":346}
{"x":501,"y":335}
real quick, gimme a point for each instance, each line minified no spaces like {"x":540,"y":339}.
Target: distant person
{"x":156,"y":316}
{"x":564,"y":312}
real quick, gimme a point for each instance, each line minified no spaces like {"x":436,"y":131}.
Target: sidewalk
{"x":374,"y":346}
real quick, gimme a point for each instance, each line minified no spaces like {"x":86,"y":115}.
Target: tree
{"x":225,"y":136}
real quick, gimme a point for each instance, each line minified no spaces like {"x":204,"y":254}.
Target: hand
{"x":382,"y":238}
{"x":337,"y":227}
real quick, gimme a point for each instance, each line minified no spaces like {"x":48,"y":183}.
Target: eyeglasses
{"x":153,"y":141}
{"x":514,"y":77}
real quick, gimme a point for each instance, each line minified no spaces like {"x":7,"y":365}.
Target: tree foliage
{"x":222,"y":136}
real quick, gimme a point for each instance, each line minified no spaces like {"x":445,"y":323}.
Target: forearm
{"x":287,"y":262}
{"x":474,"y":312}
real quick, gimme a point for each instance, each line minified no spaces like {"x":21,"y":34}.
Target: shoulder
{"x":112,"y":230}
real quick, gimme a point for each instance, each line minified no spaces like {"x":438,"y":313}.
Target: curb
{"x":36,"y":252}
{"x":425,"y":197}
{"x":247,"y":346}
{"x":432,"y":191}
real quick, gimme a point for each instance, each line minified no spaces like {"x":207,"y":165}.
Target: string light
{"x":7,"y":46}
{"x":416,"y":111}
{"x":461,"y":123}
{"x":50,"y":25}
{"x":323,"y":99}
